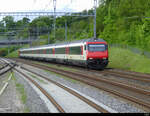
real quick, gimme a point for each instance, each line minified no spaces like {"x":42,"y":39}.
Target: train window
{"x":41,"y":51}
{"x":75,"y":50}
{"x":44,"y":51}
{"x":84,"y":47}
{"x":96,"y":47}
{"x":38,"y":51}
{"x":106,"y":47}
{"x":49,"y":51}
{"x":59,"y":50}
{"x":82,"y":50}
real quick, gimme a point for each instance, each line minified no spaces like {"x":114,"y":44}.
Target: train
{"x":89,"y":53}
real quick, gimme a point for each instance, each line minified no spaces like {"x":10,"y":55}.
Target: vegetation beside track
{"x":20,"y":89}
{"x":125,"y":59}
{"x":14,"y":54}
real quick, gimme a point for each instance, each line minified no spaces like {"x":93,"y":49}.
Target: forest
{"x":124,"y":22}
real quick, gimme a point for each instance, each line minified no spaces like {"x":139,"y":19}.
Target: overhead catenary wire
{"x":54,"y":14}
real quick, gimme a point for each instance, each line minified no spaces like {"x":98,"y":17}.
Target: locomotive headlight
{"x":104,"y":58}
{"x":90,"y":58}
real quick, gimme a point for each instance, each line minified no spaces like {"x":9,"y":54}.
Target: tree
{"x":9,"y":22}
{"x":2,"y":26}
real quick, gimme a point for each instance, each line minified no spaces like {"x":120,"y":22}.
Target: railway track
{"x":113,"y":72}
{"x":127,"y":77}
{"x":131,"y":73}
{"x":5,"y":68}
{"x":59,"y":108}
{"x":92,"y":104}
{"x":136,"y":95}
{"x":2,"y":64}
{"x":140,"y":77}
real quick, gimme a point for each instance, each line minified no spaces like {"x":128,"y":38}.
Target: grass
{"x":14,"y":54}
{"x":125,"y":59}
{"x":20,"y":89}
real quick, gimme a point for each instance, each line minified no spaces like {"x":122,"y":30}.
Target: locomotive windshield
{"x":96,"y":47}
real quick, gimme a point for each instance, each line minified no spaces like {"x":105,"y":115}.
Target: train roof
{"x":88,"y":40}
{"x":66,"y":43}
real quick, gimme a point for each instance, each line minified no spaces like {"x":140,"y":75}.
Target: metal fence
{"x":133,"y":49}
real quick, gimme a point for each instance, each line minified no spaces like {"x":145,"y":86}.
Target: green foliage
{"x":13,"y":51}
{"x":40,"y":25}
{"x":4,"y":51}
{"x":125,"y":22}
{"x":9,"y":21}
{"x":13,"y":54}
{"x":125,"y":59}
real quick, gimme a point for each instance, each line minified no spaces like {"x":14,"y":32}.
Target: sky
{"x":45,"y":5}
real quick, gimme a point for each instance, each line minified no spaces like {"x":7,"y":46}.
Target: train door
{"x":84,"y":51}
{"x":66,"y":54}
{"x":19,"y":53}
{"x":81,"y":54}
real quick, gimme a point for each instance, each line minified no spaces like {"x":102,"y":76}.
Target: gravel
{"x":2,"y":78}
{"x":34,"y":102}
{"x":109,"y":100}
{"x":9,"y":99}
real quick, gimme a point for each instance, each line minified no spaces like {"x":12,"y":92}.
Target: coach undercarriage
{"x":97,"y":63}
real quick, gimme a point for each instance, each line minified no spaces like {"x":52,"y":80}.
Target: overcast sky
{"x":44,"y":5}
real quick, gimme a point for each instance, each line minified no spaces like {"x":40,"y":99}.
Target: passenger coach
{"x":90,"y":53}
